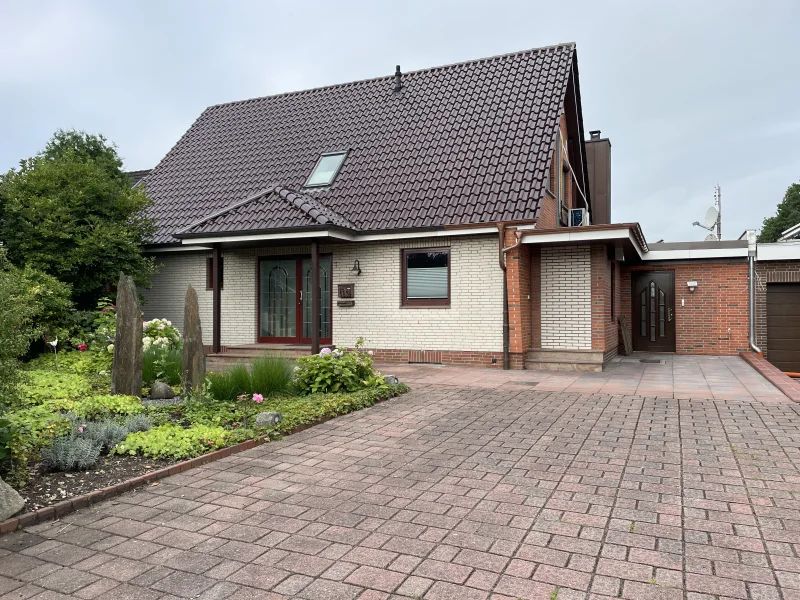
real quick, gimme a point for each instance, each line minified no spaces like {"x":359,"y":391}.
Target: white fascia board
{"x":697,"y":253}
{"x":778,"y":251}
{"x":577,"y":234}
{"x":341,"y":235}
{"x":176,"y":249}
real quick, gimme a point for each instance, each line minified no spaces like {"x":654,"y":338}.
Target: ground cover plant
{"x":64,"y":433}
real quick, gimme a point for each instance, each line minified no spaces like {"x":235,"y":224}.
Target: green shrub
{"x":213,"y":412}
{"x":17,"y":329}
{"x":162,"y":364}
{"x":30,"y":430}
{"x":98,"y":407}
{"x":333,"y":371}
{"x":174,"y":442}
{"x":270,"y":375}
{"x":71,"y":453}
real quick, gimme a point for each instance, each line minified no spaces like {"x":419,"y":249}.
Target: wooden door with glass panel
{"x":285,"y":300}
{"x":653,"y":303}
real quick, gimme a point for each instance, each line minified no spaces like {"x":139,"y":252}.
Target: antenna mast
{"x":718,"y":198}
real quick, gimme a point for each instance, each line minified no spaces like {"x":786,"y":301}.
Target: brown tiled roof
{"x":275,"y":207}
{"x":459,"y":144}
{"x":137,"y":176}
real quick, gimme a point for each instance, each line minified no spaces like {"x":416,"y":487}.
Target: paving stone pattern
{"x":457,"y":493}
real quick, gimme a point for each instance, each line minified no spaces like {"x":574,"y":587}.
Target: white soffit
{"x":778,"y":251}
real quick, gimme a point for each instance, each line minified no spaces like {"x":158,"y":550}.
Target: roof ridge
{"x":570,"y":45}
{"x":227,"y":209}
{"x":297,"y":199}
{"x":327,"y":212}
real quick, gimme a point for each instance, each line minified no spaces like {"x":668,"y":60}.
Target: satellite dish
{"x":711,"y":217}
{"x":711,"y":238}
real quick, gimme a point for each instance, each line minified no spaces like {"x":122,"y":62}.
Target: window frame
{"x":342,"y":153}
{"x":406,"y":302}
{"x":210,"y":272}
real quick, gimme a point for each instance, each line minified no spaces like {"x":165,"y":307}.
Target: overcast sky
{"x":690,"y":93}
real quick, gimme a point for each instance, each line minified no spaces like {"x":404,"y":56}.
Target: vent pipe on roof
{"x":595,"y":135}
{"x":398,"y":79}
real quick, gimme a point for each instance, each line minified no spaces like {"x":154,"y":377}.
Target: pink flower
{"x":258,"y":398}
{"x":325,"y":351}
{"x":106,"y":309}
{"x":82,"y":347}
{"x":81,"y":428}
{"x":370,"y":352}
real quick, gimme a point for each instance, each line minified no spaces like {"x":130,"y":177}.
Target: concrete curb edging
{"x":775,"y":376}
{"x":57,"y":511}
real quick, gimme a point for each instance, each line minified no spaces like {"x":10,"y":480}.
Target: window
{"x":210,"y":273}
{"x":326,"y":169}
{"x":426,"y":277}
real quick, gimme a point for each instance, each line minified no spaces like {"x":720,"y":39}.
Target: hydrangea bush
{"x":160,"y":333}
{"x":335,"y":370}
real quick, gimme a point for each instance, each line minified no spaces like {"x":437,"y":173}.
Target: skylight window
{"x":326,"y":169}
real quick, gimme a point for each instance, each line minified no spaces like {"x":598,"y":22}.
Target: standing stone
{"x":194,"y":353}
{"x":10,"y":501}
{"x":126,"y":373}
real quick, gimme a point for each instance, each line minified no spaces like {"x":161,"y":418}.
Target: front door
{"x":285,"y":300}
{"x":653,"y":303}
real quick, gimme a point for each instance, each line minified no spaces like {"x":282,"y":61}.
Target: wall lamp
{"x":691,"y":285}
{"x":356,"y":270}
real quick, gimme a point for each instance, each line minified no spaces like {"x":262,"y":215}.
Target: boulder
{"x":126,"y":372}
{"x":267,"y":419}
{"x":161,"y":391}
{"x":194,"y":353}
{"x":10,"y":501}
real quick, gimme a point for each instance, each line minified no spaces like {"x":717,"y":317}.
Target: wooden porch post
{"x":216,"y":327}
{"x":315,"y":297}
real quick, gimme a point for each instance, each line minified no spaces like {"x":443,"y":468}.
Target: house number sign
{"x":346,"y":295}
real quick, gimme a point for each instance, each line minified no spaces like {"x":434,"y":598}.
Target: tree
{"x":70,"y":212}
{"x":788,"y":216}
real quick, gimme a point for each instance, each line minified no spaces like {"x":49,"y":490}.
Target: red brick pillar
{"x":601,"y":296}
{"x":518,"y":269}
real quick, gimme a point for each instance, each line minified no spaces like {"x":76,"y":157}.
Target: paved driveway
{"x":458,"y":492}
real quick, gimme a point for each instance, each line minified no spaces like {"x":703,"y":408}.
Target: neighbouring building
{"x":455,"y":215}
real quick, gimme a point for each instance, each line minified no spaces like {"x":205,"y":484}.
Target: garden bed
{"x":48,"y":488}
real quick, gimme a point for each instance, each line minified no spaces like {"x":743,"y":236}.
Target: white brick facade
{"x":566,"y":298}
{"x":473,"y":322}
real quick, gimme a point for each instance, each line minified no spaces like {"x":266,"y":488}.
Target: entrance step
{"x":585,"y":361}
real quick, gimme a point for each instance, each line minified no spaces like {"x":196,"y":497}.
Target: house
{"x":442,"y":214}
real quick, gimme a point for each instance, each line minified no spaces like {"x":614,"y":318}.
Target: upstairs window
{"x":326,"y":169}
{"x":426,"y":277}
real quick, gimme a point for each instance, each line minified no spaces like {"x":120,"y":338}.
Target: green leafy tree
{"x":70,"y":212}
{"x":788,"y":216}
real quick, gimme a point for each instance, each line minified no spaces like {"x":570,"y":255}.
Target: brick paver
{"x":458,"y":492}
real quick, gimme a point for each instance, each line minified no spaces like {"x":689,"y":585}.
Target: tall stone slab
{"x":194,"y":353}
{"x":126,"y":373}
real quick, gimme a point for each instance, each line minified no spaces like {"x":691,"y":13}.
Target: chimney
{"x":598,"y":164}
{"x":398,"y":79}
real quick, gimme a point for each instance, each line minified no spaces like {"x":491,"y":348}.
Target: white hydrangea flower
{"x":110,"y":347}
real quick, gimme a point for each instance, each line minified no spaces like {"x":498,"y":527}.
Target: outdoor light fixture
{"x":356,"y":270}
{"x":691,"y":285}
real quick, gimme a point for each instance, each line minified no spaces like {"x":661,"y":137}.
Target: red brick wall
{"x":770,"y":272}
{"x":548,"y":213}
{"x":605,"y":333}
{"x":719,"y":303}
{"x":518,"y":274}
{"x":445,"y":357}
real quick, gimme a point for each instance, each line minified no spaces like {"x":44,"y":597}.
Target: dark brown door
{"x":783,"y":326}
{"x":653,"y":303}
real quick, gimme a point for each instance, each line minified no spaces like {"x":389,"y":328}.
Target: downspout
{"x":752,"y":267}
{"x":501,"y":230}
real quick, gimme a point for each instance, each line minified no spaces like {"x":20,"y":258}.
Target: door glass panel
{"x":325,"y":297}
{"x":278,"y":298}
{"x":644,"y":313}
{"x":661,"y":310}
{"x":652,"y":311}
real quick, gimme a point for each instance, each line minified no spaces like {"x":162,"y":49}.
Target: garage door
{"x":783,"y":326}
